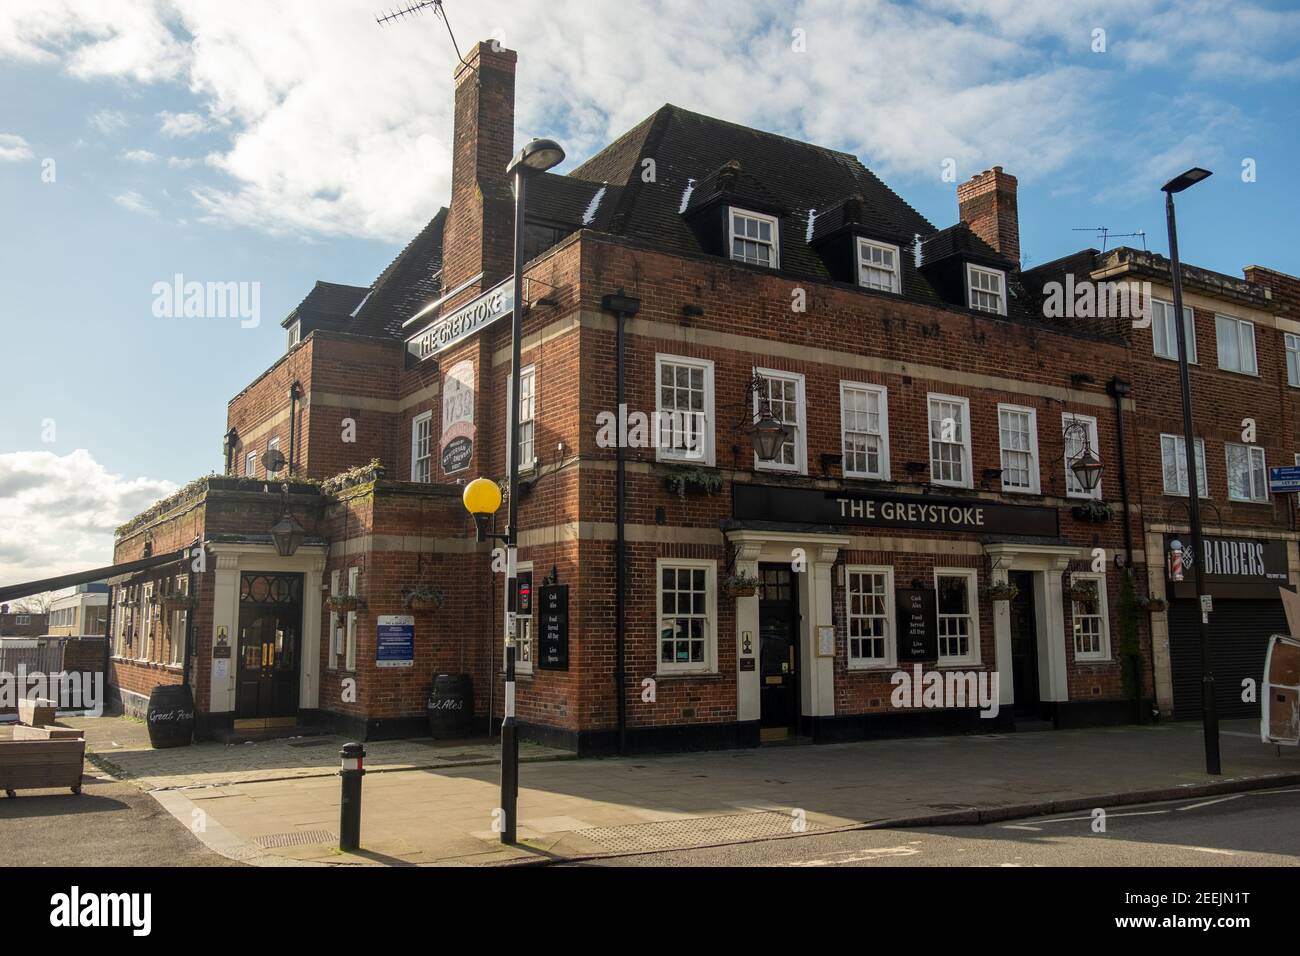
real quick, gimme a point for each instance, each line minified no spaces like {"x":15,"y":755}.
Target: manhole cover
{"x":273,"y":841}
{"x":698,"y":831}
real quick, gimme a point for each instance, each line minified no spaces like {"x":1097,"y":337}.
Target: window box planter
{"x":700,"y":481}
{"x":1093,"y":511}
{"x":342,"y":603}
{"x":742,"y":585}
{"x":422,"y":598}
{"x":1002,"y":592}
{"x":180,"y":602}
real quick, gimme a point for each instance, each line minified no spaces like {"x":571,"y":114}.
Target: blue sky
{"x":236,"y":142}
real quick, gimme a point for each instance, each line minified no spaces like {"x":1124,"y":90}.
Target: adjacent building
{"x":83,"y":612}
{"x":973,"y":489}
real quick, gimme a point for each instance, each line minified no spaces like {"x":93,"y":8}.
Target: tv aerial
{"x":417,"y":9}
{"x":1106,"y":235}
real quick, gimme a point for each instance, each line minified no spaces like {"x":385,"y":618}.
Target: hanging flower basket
{"x":423,"y":598}
{"x":342,"y":603}
{"x":1005,"y":591}
{"x":1092,"y":510}
{"x":1154,"y":605}
{"x":701,"y":481}
{"x":1082,"y":591}
{"x":742,"y":585}
{"x":180,"y":602}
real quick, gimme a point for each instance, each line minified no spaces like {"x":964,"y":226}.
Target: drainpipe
{"x":295,"y":393}
{"x":623,"y":307}
{"x":189,"y":614}
{"x":1119,"y":390}
{"x":232,"y":439}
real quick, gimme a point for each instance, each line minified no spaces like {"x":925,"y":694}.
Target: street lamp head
{"x":1184,"y":180}
{"x":482,"y":499}
{"x":1087,"y":469}
{"x":287,"y":534}
{"x":769,"y":436}
{"x":537,"y":157}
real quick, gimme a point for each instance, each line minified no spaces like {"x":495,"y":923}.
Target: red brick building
{"x":935,"y":417}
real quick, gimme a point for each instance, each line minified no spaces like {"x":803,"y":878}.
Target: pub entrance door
{"x":270,"y":636}
{"x":778,"y":633}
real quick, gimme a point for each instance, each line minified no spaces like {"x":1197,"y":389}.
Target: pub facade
{"x":956,"y":499}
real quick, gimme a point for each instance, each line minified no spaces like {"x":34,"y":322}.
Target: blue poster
{"x":395,"y":641}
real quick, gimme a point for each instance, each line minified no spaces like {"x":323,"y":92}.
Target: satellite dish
{"x":274,"y":460}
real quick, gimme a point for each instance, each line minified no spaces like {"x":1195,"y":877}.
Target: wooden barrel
{"x":170,"y":716}
{"x":451,"y":706}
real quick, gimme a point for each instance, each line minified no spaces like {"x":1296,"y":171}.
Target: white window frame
{"x":1103,"y":615}
{"x":800,"y":443}
{"x":178,"y":638}
{"x":968,"y":480}
{"x":890,"y":660}
{"x":250,"y":465}
{"x":295,"y":334}
{"x":524,"y":649}
{"x":1000,"y":275}
{"x":527,"y":416}
{"x":350,"y":645}
{"x":971,"y":577}
{"x":1035,"y":481}
{"x":1238,"y":325}
{"x":896,"y":276}
{"x":1162,"y":317}
{"x":335,"y":624}
{"x":883,"y":474}
{"x":664,"y":452}
{"x":22,"y":620}
{"x":271,"y":446}
{"x":775,"y":244}
{"x":1202,"y":469}
{"x":1292,"y":343}
{"x":1251,"y":451}
{"x":1094,"y":442}
{"x":423,"y":418}
{"x":146,"y":620}
{"x":710,"y":663}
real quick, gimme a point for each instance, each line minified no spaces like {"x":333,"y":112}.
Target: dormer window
{"x":754,"y":238}
{"x":986,"y":289}
{"x":295,"y":333}
{"x":878,"y":266}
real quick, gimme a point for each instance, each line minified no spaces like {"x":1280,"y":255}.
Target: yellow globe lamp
{"x":482,"y":499}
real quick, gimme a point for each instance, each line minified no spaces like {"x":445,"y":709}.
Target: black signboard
{"x":1234,"y":560}
{"x":456,"y":456}
{"x":914,"y":512}
{"x":918,"y":629}
{"x":553,"y":646}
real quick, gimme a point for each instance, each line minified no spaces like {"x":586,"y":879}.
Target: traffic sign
{"x":1286,"y":478}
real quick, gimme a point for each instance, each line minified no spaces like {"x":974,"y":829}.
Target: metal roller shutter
{"x":1239,"y":633}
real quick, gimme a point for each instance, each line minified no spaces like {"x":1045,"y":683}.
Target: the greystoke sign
{"x":464,"y":322}
{"x":916,"y":512}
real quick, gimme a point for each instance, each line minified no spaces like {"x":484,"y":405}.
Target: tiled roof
{"x":327,"y":303}
{"x":411,"y":281}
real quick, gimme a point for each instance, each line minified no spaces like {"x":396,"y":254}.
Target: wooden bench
{"x":41,"y":764}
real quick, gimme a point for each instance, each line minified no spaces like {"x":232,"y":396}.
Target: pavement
{"x":277,"y":803}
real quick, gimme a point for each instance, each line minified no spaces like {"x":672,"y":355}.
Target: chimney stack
{"x":480,"y":222}
{"x":987,"y":204}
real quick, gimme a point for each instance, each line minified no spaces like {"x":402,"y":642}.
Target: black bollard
{"x":350,"y":804}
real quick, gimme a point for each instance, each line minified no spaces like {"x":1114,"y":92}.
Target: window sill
{"x":687,"y":675}
{"x":1174,"y":359}
{"x":1093,"y":660}
{"x":872,"y":668}
{"x":1252,"y":501}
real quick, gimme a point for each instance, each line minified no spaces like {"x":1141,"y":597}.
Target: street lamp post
{"x":1209,"y":710}
{"x":537,"y":157}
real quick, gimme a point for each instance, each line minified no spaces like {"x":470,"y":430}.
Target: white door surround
{"x":1047,"y":563}
{"x":816,"y":609}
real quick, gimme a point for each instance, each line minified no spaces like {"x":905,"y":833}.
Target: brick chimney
{"x":987,"y":204}
{"x":480,"y":222}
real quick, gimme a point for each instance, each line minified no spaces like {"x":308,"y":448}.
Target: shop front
{"x":1243,"y":575}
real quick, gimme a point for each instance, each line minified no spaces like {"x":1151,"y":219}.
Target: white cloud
{"x":13,"y":148}
{"x":58,"y":513}
{"x":132,"y":201}
{"x":139,"y":156}
{"x":107,"y":122}
{"x":180,"y":162}
{"x":177,"y":125}
{"x":332,"y":125}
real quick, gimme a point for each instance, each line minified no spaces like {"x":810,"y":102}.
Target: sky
{"x":274,"y":144}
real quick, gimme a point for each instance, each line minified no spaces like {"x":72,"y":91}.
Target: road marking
{"x":1013,"y":826}
{"x":859,"y":856}
{"x":1207,"y":849}
{"x":1210,"y":803}
{"x":1238,"y":733}
{"x":1109,"y":816}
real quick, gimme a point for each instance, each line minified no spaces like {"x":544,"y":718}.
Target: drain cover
{"x":697,"y":831}
{"x":273,"y":841}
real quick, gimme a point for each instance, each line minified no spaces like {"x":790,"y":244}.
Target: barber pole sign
{"x":1175,"y":565}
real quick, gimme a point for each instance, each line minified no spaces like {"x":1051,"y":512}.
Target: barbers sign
{"x":464,"y":322}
